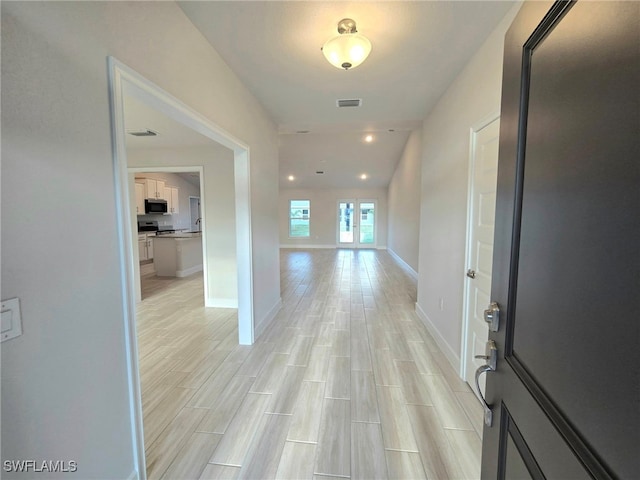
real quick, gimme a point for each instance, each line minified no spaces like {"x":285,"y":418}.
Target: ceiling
{"x":138,"y":116}
{"x":419,"y":47}
{"x":274,"y":47}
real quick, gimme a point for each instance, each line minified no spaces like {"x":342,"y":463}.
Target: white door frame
{"x":473,"y":131}
{"x":356,"y":210}
{"x":123,"y":79}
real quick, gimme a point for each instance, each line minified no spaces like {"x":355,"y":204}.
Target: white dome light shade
{"x":349,"y":49}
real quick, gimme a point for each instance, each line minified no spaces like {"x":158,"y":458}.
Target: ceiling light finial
{"x":349,"y":49}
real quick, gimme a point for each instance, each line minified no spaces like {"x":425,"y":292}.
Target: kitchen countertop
{"x":180,"y":235}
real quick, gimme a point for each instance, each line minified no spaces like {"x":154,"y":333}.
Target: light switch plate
{"x":11,"y":319}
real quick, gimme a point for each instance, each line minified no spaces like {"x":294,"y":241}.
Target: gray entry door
{"x":565,"y":395}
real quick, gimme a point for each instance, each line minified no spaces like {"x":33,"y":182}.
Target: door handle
{"x":488,"y":413}
{"x":491,"y":355}
{"x":471,"y":273}
{"x":492,"y":362}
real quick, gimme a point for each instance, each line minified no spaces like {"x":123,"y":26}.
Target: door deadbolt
{"x":492,"y":316}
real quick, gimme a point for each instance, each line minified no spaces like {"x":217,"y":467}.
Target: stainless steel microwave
{"x":155,"y":206}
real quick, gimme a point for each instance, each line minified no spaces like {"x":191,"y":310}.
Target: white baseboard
{"x":404,"y":264}
{"x":188,"y":271}
{"x":266,"y":321}
{"x":222,"y":302}
{"x":333,"y":247}
{"x":449,"y":353}
{"x":300,"y":246}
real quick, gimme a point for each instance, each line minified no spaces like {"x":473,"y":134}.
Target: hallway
{"x":346,"y":382}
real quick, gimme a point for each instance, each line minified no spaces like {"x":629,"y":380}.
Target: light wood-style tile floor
{"x":345,"y":383}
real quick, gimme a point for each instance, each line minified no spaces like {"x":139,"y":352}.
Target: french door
{"x":356,"y":223}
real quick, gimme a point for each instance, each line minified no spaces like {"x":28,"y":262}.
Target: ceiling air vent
{"x":319,"y":172}
{"x":354,"y":102}
{"x":142,"y":133}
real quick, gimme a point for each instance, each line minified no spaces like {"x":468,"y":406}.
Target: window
{"x":299,"y":218}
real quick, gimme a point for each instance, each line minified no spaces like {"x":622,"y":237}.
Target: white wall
{"x":179,"y":220}
{"x":404,"y":203}
{"x":218,"y":207}
{"x":64,"y":381}
{"x":474,"y":95}
{"x":324,"y":210}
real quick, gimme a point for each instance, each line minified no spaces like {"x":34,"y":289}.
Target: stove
{"x":152,"y":226}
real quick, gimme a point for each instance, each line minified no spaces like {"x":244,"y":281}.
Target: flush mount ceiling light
{"x":349,"y":49}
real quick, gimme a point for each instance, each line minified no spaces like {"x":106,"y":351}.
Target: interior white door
{"x":357,"y":223}
{"x":484,"y":173}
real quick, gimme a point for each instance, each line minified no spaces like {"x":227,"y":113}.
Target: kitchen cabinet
{"x":150,"y":240}
{"x":178,"y":255}
{"x":154,"y":188}
{"x":140,"y":198}
{"x":145,"y":246}
{"x":142,"y":247}
{"x":171,"y":196}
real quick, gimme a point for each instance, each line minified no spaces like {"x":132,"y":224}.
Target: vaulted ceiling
{"x":274,"y":47}
{"x":419,"y":47}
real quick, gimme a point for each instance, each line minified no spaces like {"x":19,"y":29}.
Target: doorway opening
{"x":168,"y":246}
{"x":125,"y":82}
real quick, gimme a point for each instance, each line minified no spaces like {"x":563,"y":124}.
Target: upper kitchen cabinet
{"x":171,"y":196}
{"x":140,"y":198}
{"x":154,"y":188}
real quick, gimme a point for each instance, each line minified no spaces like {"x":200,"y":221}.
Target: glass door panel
{"x":345,"y":221}
{"x":367,"y":223}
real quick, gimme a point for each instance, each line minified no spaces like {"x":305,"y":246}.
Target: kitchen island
{"x":178,"y":254}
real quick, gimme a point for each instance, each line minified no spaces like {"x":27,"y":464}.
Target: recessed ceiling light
{"x":291,"y":178}
{"x":368,"y":138}
{"x":363,"y":176}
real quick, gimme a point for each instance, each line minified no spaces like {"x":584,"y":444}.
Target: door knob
{"x":491,"y":356}
{"x":492,"y":316}
{"x":471,"y":273}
